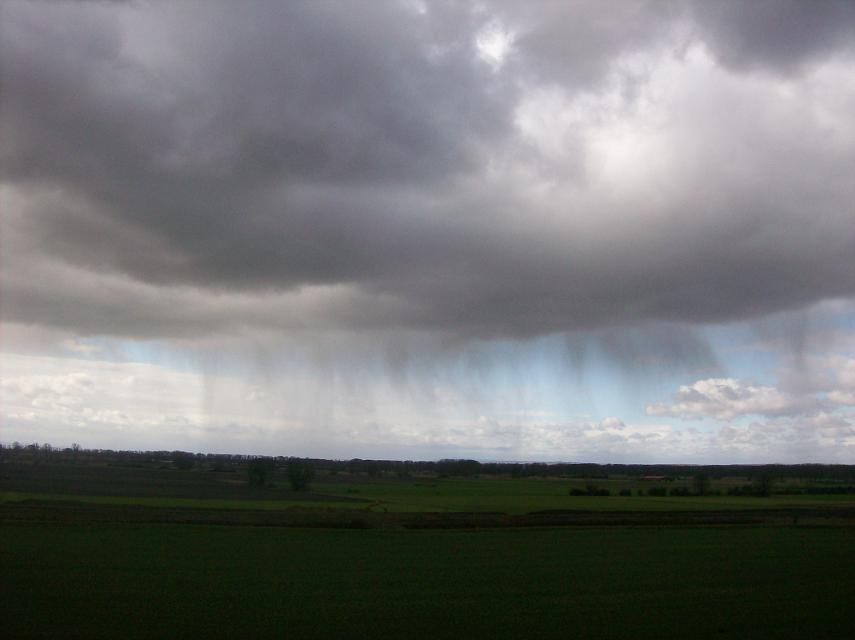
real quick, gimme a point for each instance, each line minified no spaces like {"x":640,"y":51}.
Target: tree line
{"x":444,"y":467}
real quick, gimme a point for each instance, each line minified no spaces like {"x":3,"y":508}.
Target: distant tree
{"x":220,"y":466}
{"x":762,"y":484}
{"x":259,"y":471}
{"x":701,"y":484}
{"x":300,"y":473}
{"x":590,"y":490}
{"x":456,"y":467}
{"x":183,"y":461}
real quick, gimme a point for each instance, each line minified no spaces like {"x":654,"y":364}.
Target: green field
{"x":172,"y":503}
{"x":523,"y":495}
{"x":100,"y":548}
{"x":199,"y":488}
{"x":109,"y":580}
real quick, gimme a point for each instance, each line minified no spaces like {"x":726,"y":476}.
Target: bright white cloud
{"x":728,"y":398}
{"x":494,"y":43}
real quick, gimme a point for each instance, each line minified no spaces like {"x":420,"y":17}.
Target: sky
{"x":552,"y":231}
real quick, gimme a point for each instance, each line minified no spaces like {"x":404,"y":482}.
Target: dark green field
{"x":97,"y":547}
{"x":208,"y":581}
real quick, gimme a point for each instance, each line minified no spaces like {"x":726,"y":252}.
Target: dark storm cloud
{"x":175,"y":168}
{"x":780,"y":35}
{"x":190,"y":146}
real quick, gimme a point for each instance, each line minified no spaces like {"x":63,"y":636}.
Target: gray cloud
{"x":778,"y":35}
{"x":173,"y":170}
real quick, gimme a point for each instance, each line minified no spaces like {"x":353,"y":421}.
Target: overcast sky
{"x":599,"y":231}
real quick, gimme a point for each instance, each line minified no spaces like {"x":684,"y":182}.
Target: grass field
{"x":169,"y":488}
{"x":176,"y":503}
{"x":110,"y":580}
{"x":110,"y":550}
{"x":454,"y":499}
{"x":519,"y":495}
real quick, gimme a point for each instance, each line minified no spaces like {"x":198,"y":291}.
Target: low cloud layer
{"x":470,"y":170}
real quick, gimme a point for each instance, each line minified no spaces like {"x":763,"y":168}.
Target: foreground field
{"x":192,"y":581}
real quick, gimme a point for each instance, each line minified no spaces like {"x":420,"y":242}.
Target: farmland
{"x":181,"y":581}
{"x":102,"y":480}
{"x":89,"y":545}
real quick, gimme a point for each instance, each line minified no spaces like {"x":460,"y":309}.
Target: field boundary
{"x":73,"y":512}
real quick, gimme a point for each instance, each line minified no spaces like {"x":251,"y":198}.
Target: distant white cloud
{"x":844,"y":379}
{"x":842,"y":397}
{"x":78,"y":346}
{"x":823,"y":437}
{"x":828,"y":376}
{"x":96,"y":402}
{"x":728,"y":398}
{"x":805,"y":417}
{"x":492,"y":439}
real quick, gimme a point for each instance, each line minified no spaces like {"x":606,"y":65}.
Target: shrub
{"x":701,"y":484}
{"x":761,"y":485}
{"x":594,"y":490}
{"x":589,"y":490}
{"x":300,"y":473}
{"x":183,"y":461}
{"x":259,"y":471}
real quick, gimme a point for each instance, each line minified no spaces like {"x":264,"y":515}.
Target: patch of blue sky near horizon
{"x":133,"y":394}
{"x":501,"y":378}
{"x":791,"y":380}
